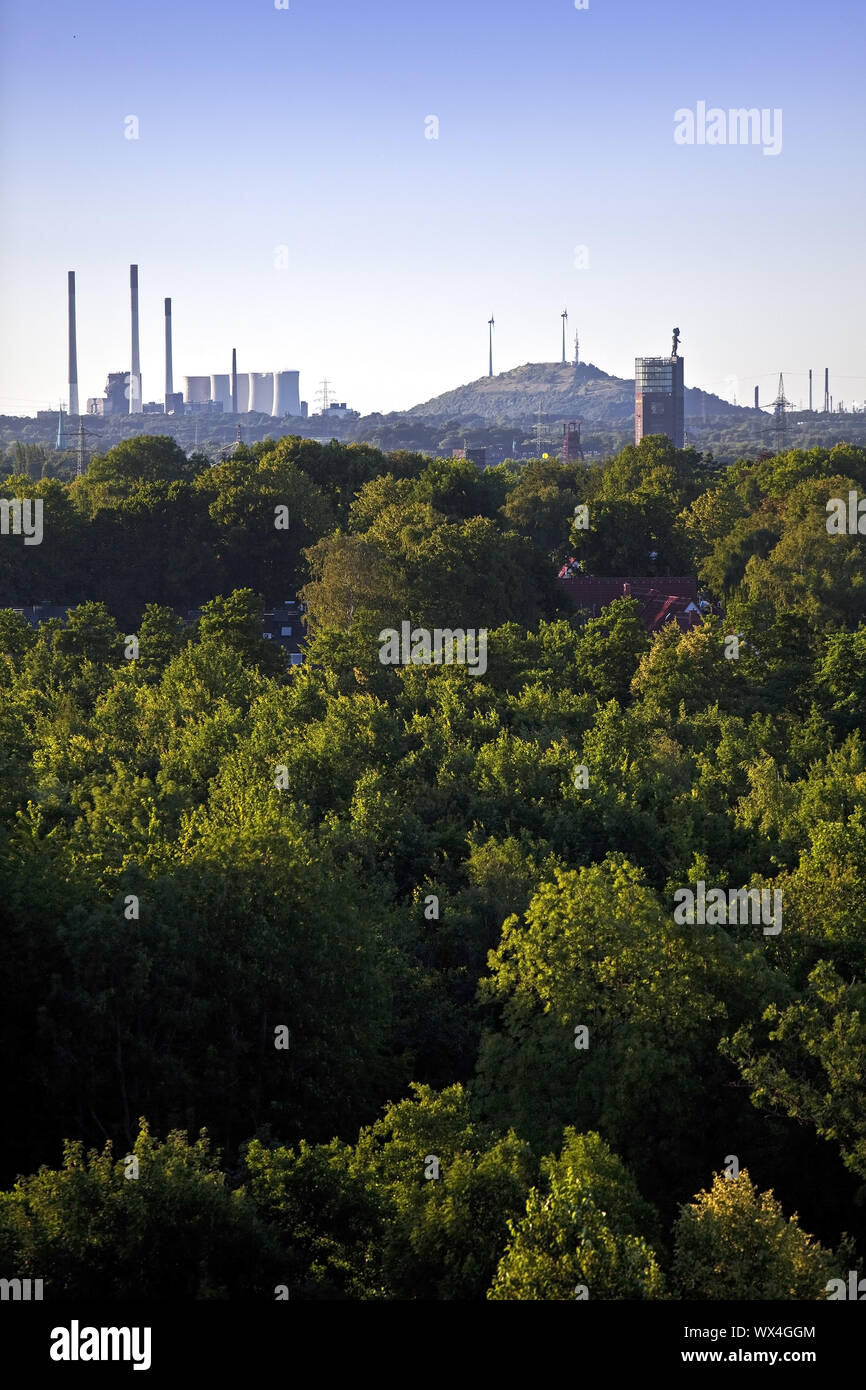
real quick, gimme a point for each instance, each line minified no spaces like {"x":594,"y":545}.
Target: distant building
{"x":662,"y":599}
{"x":174,"y":403}
{"x":260,"y":393}
{"x":571,"y":447}
{"x":476,"y":456}
{"x":196,"y":390}
{"x":659,"y":398}
{"x":37,"y":613}
{"x":338,"y":410}
{"x":283,"y":624}
{"x":116,"y":398}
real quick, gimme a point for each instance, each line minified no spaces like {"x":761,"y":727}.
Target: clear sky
{"x":305,"y":128}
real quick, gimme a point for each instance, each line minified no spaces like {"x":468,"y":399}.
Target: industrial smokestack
{"x":135,"y":374}
{"x":826,"y":389}
{"x":169,"y":374}
{"x":73,"y":349}
{"x":234,"y":381}
{"x":810,"y":388}
{"x":757,"y":407}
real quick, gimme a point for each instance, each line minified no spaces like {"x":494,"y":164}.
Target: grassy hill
{"x":584,"y":392}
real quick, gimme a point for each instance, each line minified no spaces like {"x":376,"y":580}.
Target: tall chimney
{"x":169,"y":375}
{"x":826,"y":389}
{"x":810,"y":388}
{"x":757,"y":407}
{"x":73,"y":349}
{"x":135,"y":374}
{"x":234,"y":381}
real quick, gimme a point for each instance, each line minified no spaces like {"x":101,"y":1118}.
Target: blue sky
{"x":305,"y":128}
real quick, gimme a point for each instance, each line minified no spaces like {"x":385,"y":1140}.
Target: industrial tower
{"x":781,"y":406}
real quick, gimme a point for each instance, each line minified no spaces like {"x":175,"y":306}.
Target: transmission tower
{"x":781,"y":406}
{"x":323,"y":392}
{"x":538,"y":436}
{"x":81,"y":468}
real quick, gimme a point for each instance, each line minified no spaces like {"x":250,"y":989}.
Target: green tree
{"x":452,"y":1187}
{"x":330,"y":1221}
{"x":157,"y":1223}
{"x":814,"y":1073}
{"x":583,"y":1234}
{"x":734,"y":1242}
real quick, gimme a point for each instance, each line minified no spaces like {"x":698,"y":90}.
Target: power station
{"x":274,"y":393}
{"x":73,"y":348}
{"x":135,"y":398}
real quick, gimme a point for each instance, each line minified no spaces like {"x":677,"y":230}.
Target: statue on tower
{"x":676,"y":342}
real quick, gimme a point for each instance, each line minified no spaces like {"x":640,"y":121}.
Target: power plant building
{"x":135,"y":397}
{"x":261,"y":392}
{"x":287,"y":394}
{"x":196,"y":390}
{"x":243,"y":392}
{"x":221,"y":390}
{"x":116,"y":398}
{"x":274,"y":394}
{"x":659,"y":398}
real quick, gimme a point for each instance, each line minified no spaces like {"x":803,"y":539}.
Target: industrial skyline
{"x":278,"y":392}
{"x":273,"y":393}
{"x":659,"y":382}
{"x":333,"y":283}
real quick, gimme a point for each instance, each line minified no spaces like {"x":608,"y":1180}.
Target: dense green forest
{"x":342,"y":980}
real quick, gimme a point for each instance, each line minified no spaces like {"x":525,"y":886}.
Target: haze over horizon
{"x":306,"y":129}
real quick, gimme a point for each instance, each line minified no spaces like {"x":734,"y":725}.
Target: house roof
{"x":661,"y":599}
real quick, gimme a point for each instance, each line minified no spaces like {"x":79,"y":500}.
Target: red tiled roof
{"x":667,"y":598}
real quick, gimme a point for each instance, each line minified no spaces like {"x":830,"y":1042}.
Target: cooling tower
{"x":261,"y":392}
{"x":196,"y":390}
{"x":243,"y":392}
{"x":73,"y":349}
{"x":287,"y":397}
{"x":221,"y":389}
{"x":135,"y":401}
